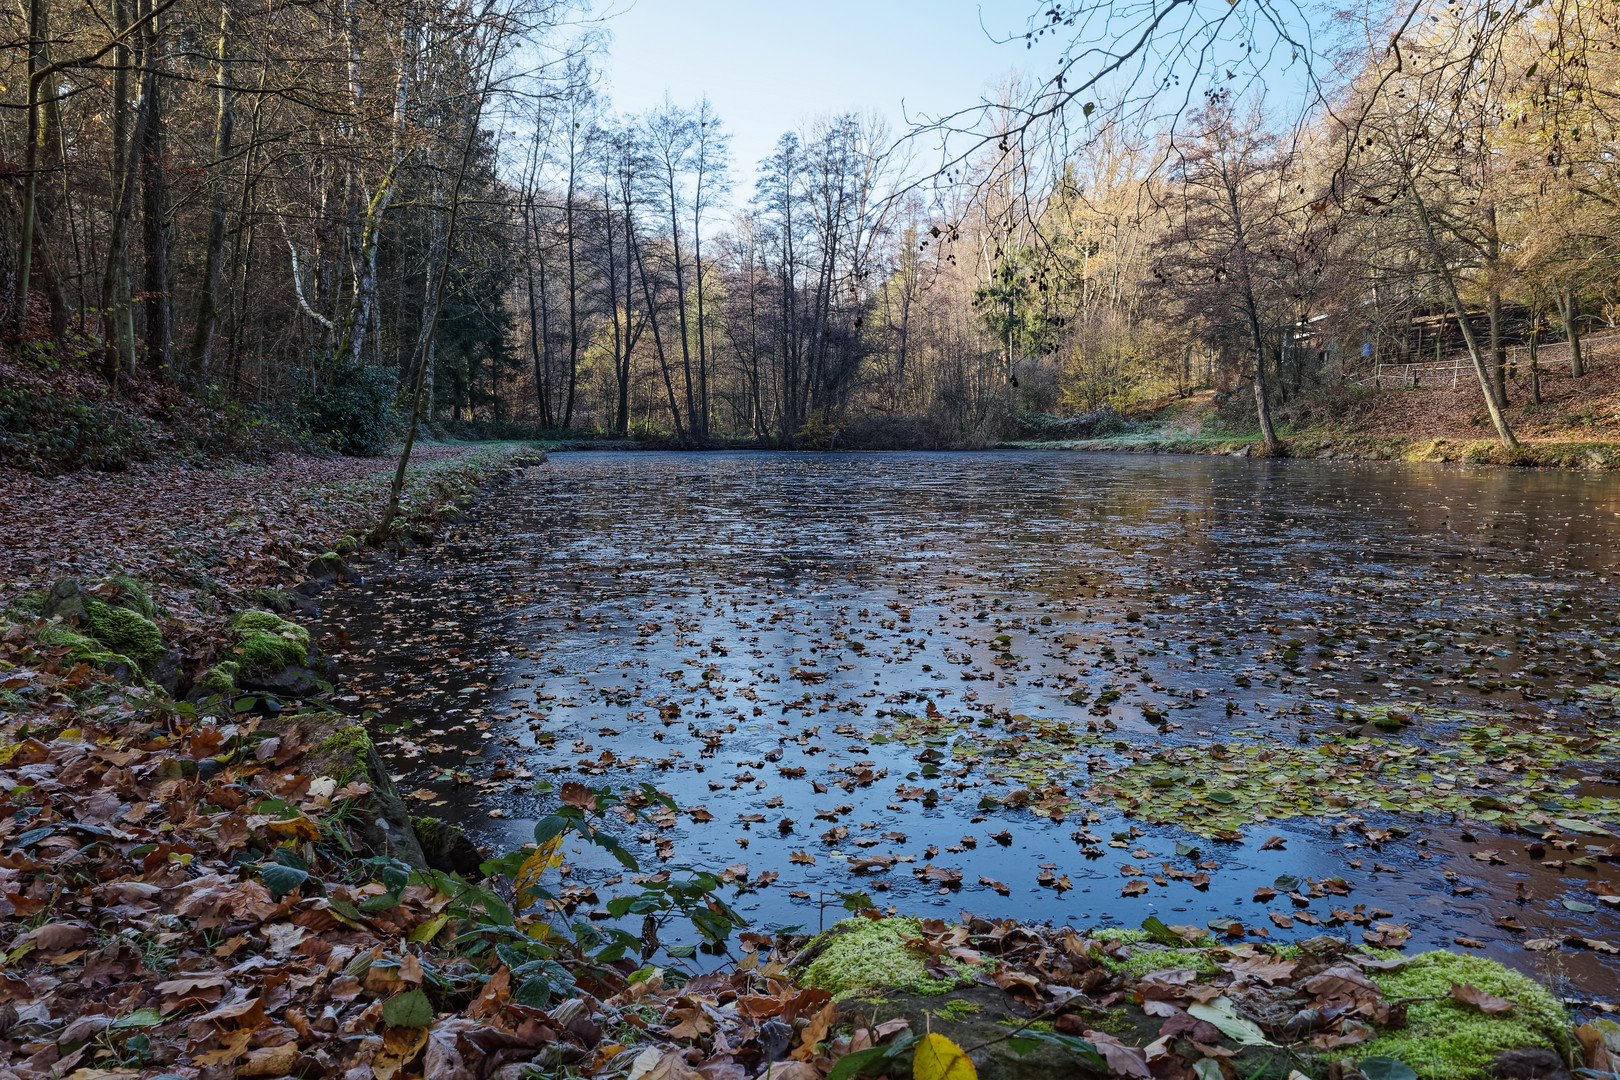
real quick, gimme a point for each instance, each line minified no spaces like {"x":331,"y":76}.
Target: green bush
{"x":354,"y":411}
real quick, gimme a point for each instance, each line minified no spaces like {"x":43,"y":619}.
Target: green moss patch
{"x":352,"y":739}
{"x":1447,"y":1040}
{"x":1486,"y":768}
{"x":267,"y":642}
{"x":220,"y":679}
{"x":872,"y":954}
{"x":125,"y":632}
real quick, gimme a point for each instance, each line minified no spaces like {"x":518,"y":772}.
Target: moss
{"x":959,"y":1009}
{"x":1146,"y":958}
{"x":427,"y":831}
{"x":268,"y":642}
{"x":352,"y":739}
{"x":1447,"y":1040}
{"x":83,"y":649}
{"x":32,"y":603}
{"x":872,"y":954}
{"x":220,"y":679}
{"x":269,"y":623}
{"x":126,"y":632}
{"x":132,"y":595}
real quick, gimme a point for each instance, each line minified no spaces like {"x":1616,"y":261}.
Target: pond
{"x":1268,"y":698}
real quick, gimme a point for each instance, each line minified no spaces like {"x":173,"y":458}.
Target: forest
{"x":292,"y":214}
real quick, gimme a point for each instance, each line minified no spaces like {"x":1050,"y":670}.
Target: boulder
{"x":447,"y":848}
{"x":66,"y":600}
{"x":328,"y":567}
{"x":166,"y":672}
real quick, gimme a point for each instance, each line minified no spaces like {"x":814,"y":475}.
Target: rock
{"x":1529,"y":1064}
{"x":347,"y":754}
{"x":328,"y":567}
{"x":65,"y":600}
{"x":446,"y":847}
{"x":166,"y":672}
{"x":292,"y":681}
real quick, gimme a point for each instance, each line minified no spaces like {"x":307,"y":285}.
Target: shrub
{"x":354,"y":411}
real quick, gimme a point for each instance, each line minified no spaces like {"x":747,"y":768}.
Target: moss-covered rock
{"x":83,"y":649}
{"x":268,"y":643}
{"x":871,"y":954}
{"x":131,"y":594}
{"x":346,"y":754}
{"x":126,"y":632}
{"x":327,"y":567}
{"x":219,"y":680}
{"x":1447,"y":1040}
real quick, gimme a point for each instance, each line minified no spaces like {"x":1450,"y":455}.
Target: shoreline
{"x":1587,"y":455}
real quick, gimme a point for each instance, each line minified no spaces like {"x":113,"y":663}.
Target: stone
{"x":292,"y":681}
{"x":447,"y":848}
{"x":65,"y":600}
{"x":166,"y":672}
{"x":1533,"y":1063}
{"x":328,"y":567}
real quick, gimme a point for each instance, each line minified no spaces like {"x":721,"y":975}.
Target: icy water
{"x":1273,"y":698}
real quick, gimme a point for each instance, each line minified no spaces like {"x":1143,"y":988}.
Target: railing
{"x":1460,"y":368}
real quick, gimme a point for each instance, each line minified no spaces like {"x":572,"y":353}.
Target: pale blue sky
{"x":768,"y":65}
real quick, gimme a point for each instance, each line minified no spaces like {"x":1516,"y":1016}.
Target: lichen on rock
{"x":872,"y":954}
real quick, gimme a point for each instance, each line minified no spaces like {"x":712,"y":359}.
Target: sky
{"x":769,"y":65}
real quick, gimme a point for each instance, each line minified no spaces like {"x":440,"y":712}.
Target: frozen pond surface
{"x":1067,"y":687}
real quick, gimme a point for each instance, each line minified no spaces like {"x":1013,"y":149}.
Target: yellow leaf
{"x":429,"y":929}
{"x":299,"y":828}
{"x":937,"y":1058}
{"x":547,"y":856}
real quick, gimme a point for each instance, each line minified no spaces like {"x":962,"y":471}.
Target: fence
{"x":1460,"y":368}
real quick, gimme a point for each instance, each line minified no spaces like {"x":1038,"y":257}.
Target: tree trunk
{"x":1569,"y":312}
{"x":159,"y":332}
{"x":202,"y":339}
{"x":1498,"y":420}
{"x":658,"y":345}
{"x":38,"y":16}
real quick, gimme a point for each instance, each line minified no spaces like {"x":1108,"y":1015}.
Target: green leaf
{"x":373,"y":904}
{"x":1157,"y":931}
{"x":281,"y":880}
{"x":286,"y":856}
{"x":1385,"y":1068}
{"x":1224,"y":1015}
{"x":410,"y":1009}
{"x":874,"y":1060}
{"x":1225,"y":798}
{"x":549,"y":828}
{"x":1022,"y":1046}
{"x":1208,"y":1069}
{"x":1576,"y":905}
{"x":140,"y":1018}
{"x":535,"y":993}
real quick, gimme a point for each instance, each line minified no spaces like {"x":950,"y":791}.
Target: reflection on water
{"x":749,"y":631}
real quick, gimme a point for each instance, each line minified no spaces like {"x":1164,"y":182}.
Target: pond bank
{"x":1347,"y":447}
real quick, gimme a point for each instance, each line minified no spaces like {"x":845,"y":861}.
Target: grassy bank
{"x":1577,"y":426}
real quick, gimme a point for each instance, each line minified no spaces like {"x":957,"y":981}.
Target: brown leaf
{"x":1479,"y":999}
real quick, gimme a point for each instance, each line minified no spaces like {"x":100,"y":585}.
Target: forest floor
{"x":1577,"y":425}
